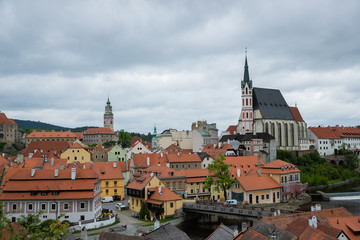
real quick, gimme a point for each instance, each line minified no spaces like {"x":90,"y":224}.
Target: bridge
{"x":217,"y":209}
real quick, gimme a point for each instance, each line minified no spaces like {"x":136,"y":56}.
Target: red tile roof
{"x":45,"y":147}
{"x":216,"y":151}
{"x":296,"y":114}
{"x":163,"y":194}
{"x":140,"y":183}
{"x":161,"y":172}
{"x":191,"y":173}
{"x":44,"y":134}
{"x":244,"y":163}
{"x":299,"y":226}
{"x":5,"y":120}
{"x":256,"y":182}
{"x":283,"y":220}
{"x":99,"y":131}
{"x":335,"y":132}
{"x":140,"y":160}
{"x":314,"y":234}
{"x":349,"y":224}
{"x":183,"y":158}
{"x":231,"y":129}
{"x":250,"y":235}
{"x":279,"y":167}
{"x":107,"y":170}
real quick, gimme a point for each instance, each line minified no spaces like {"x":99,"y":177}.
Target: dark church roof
{"x":271,"y":104}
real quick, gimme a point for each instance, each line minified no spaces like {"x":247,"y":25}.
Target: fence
{"x":91,"y":224}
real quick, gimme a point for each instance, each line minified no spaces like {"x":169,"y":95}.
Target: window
{"x":43,"y":206}
{"x":267,"y":196}
{"x":82,"y":157}
{"x":262,"y":197}
{"x":115,"y":183}
{"x":82,"y":217}
{"x":174,"y":184}
{"x":44,"y":216}
{"x":13,"y":219}
{"x":115,"y":191}
{"x":66,"y":206}
{"x":171,"y":205}
{"x":75,"y":158}
{"x":180,"y":184}
{"x":14,"y":207}
{"x":55,"y":193}
{"x":132,"y":202}
{"x":30,"y":206}
{"x":278,"y":194}
{"x":192,"y":191}
{"x":137,"y":202}
{"x":82,"y":205}
{"x":168,"y":185}
{"x":107,"y":183}
{"x":43,"y":193}
{"x":107,"y":191}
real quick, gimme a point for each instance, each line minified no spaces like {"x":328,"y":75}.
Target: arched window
{"x":292,"y":135}
{"x":247,"y":115}
{"x":266,"y":127}
{"x":243,"y":102}
{"x":251,"y":115}
{"x":250,"y":102}
{"x":279,"y":134}
{"x":247,"y":103}
{"x":273,"y":129}
{"x":246,"y":90}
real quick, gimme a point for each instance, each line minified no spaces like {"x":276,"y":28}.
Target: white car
{"x":107,"y":199}
{"x":120,"y":206}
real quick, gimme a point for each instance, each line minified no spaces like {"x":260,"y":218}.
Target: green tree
{"x":222,"y":179}
{"x":109,"y":144}
{"x":144,"y":211}
{"x":124,"y":139}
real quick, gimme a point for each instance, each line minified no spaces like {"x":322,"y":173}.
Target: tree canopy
{"x":222,"y":178}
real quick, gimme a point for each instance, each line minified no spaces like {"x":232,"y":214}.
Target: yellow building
{"x":76,"y":152}
{"x":111,"y":179}
{"x":256,"y":189}
{"x":161,"y":201}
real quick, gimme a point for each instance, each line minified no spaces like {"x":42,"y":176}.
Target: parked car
{"x":120,"y":206}
{"x":107,"y":199}
{"x":231,"y":202}
{"x":136,"y":215}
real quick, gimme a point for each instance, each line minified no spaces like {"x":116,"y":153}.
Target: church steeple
{"x":246,"y":78}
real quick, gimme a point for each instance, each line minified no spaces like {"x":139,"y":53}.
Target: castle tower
{"x":108,"y":116}
{"x":153,"y":141}
{"x":246,"y":117}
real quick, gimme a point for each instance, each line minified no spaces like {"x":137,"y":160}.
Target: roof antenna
{"x":295,"y":104}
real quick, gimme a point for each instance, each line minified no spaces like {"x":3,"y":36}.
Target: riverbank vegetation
{"x":316,"y":171}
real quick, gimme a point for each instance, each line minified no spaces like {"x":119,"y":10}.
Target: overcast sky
{"x":171,"y":63}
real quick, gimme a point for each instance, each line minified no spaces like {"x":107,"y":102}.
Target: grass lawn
{"x":150,"y":223}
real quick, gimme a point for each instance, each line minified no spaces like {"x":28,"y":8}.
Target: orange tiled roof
{"x":299,"y":226}
{"x":76,"y":145}
{"x":140,"y":160}
{"x":244,"y":163}
{"x":314,"y":234}
{"x":349,"y":224}
{"x":191,"y":173}
{"x":335,"y":132}
{"x":216,"y":151}
{"x":140,"y":183}
{"x":296,"y":114}
{"x":43,"y":134}
{"x":164,"y":194}
{"x":250,"y":234}
{"x":196,"y":180}
{"x":182,"y":158}
{"x":283,"y":220}
{"x":279,"y":167}
{"x":99,"y":131}
{"x":162,"y":172}
{"x":107,"y":170}
{"x":3,"y":162}
{"x":46,"y":147}
{"x":256,"y":182}
{"x":5,"y":120}
{"x":231,"y":129}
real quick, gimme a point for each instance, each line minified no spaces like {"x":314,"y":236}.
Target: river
{"x":201,"y":226}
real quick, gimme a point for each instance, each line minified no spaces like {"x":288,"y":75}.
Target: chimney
{"x":243,"y":227}
{"x":73,"y":173}
{"x":160,"y":190}
{"x":168,"y":165}
{"x":161,"y":154}
{"x":32,"y":172}
{"x":235,"y":232}
{"x":151,"y":174}
{"x":159,"y":164}
{"x":238,"y":172}
{"x":313,"y":208}
{"x":178,"y":154}
{"x":318,"y":207}
{"x":219,"y":144}
{"x":148,"y":161}
{"x":61,"y":166}
{"x":313,"y":221}
{"x":114,"y":164}
{"x":52,"y":161}
{"x":259,"y":166}
{"x":92,"y":164}
{"x":56,"y":174}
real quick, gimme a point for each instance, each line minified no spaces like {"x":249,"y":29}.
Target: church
{"x":266,"y":111}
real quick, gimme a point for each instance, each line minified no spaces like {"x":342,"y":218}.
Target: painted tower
{"x":246,"y":117}
{"x":108,"y":116}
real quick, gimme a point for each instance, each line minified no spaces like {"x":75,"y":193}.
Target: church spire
{"x":246,"y":69}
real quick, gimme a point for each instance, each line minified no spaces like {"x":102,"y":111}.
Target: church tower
{"x":108,"y":116}
{"x":153,"y":141}
{"x":246,"y":117}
